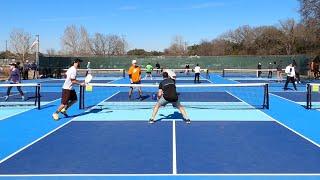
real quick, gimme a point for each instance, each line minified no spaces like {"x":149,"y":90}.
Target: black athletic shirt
{"x":169,"y":90}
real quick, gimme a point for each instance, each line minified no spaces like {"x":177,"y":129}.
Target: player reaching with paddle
{"x":69,"y":95}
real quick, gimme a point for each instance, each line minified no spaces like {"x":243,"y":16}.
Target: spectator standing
{"x":259,"y":72}
{"x":270,"y":67}
{"x":290,"y":77}
{"x":297,"y":71}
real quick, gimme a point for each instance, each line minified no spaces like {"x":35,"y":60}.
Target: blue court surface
{"x":231,"y":136}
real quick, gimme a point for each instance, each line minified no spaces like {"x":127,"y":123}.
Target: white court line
{"x":22,"y":111}
{"x":303,"y":103}
{"x":174,"y":148}
{"x":102,"y":102}
{"x":153,"y":175}
{"x":288,"y":91}
{"x":299,"y":103}
{"x":287,"y":99}
{"x":11,"y":95}
{"x":28,"y":145}
{"x":304,"y":137}
{"x":23,"y":148}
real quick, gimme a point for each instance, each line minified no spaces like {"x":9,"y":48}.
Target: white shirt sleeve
{"x":73,"y":73}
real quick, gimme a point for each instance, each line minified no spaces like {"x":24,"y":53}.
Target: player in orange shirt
{"x":135,"y":77}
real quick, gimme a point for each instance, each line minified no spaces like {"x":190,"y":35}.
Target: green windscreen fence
{"x":213,"y":63}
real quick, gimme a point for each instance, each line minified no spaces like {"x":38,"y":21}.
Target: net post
{"x":80,"y":98}
{"x":38,"y":95}
{"x":123,"y":73}
{"x":223,"y":72}
{"x":308,"y":96}
{"x":266,"y":96}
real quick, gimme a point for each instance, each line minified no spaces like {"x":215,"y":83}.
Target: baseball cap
{"x":77,"y":60}
{"x":134,"y":61}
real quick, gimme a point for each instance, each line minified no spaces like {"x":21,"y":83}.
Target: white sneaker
{"x":64,"y":112}
{"x":55,"y":116}
{"x":22,"y":98}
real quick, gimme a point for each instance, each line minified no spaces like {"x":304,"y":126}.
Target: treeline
{"x":78,"y":42}
{"x":286,"y":39}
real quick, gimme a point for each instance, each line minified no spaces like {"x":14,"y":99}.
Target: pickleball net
{"x":31,"y":95}
{"x":228,"y":96}
{"x":100,"y":72}
{"x":313,"y":96}
{"x":179,"y":72}
{"x":250,"y":73}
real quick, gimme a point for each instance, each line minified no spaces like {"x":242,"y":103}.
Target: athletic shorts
{"x":68,"y":95}
{"x":164,"y":102}
{"x":139,"y":82}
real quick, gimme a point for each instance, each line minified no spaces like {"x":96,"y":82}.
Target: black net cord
{"x":309,"y":96}
{"x":81,"y":101}
{"x":38,"y":95}
{"x":266,"y":96}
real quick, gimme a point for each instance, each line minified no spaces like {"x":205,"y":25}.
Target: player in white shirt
{"x":197,"y":74}
{"x":290,"y":71}
{"x":69,"y":95}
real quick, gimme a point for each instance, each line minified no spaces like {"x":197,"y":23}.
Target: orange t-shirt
{"x":135,"y":72}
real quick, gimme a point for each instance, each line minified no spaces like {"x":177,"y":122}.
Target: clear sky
{"x":147,"y":24}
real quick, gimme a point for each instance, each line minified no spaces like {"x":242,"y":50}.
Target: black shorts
{"x":139,"y":82}
{"x":68,"y":95}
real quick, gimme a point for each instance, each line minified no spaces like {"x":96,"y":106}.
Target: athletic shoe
{"x":22,"y":98}
{"x":64,"y":112}
{"x":55,"y":116}
{"x":6,"y":98}
{"x":151,"y":121}
{"x":188,"y":121}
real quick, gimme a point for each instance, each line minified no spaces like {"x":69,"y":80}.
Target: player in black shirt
{"x":168,"y":94}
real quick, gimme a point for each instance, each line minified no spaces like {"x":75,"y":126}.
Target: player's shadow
{"x":92,"y":111}
{"x":175,"y":115}
{"x":144,"y":97}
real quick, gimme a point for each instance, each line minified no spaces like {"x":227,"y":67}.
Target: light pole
{"x":37,"y":55}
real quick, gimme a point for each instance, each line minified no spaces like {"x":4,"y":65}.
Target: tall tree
{"x":288,"y":28}
{"x":71,"y":40}
{"x":85,"y":45}
{"x":310,"y":11}
{"x":99,"y":43}
{"x":20,"y":42}
{"x":178,"y":47}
